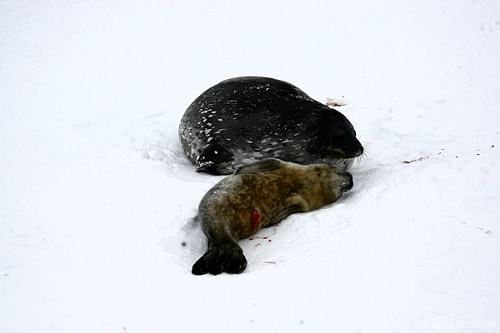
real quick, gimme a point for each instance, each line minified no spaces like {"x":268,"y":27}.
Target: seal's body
{"x":245,"y":119}
{"x":260,"y":195}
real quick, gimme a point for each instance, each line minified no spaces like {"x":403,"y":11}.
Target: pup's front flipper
{"x":295,"y":203}
{"x":226,"y":257}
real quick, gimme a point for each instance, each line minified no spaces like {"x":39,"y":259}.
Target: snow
{"x":97,"y":197}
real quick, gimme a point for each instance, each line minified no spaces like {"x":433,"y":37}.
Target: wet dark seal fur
{"x":260,"y":195}
{"x":245,"y":119}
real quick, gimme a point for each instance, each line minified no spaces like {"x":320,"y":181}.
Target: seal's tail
{"x":226,"y":257}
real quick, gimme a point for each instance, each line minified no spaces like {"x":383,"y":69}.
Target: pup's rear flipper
{"x":226,"y":257}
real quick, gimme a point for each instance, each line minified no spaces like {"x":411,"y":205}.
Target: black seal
{"x":246,"y":119}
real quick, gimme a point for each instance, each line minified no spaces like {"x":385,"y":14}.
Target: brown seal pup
{"x":260,"y":195}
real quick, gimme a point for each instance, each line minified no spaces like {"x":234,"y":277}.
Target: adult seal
{"x":245,"y":119}
{"x":259,"y":195}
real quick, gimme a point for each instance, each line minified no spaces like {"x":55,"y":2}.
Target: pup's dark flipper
{"x":227,"y":257}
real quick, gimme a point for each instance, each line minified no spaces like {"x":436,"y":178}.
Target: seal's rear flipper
{"x":215,"y":159}
{"x":227,"y":257}
{"x":269,"y":164}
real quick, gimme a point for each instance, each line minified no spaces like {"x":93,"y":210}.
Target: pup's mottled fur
{"x":260,"y":195}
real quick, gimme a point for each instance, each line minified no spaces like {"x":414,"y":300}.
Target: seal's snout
{"x":347,"y":183}
{"x":360,"y":150}
{"x":355,"y":150}
{"x":346,"y":148}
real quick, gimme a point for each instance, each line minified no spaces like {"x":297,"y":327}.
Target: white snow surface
{"x":97,"y":197}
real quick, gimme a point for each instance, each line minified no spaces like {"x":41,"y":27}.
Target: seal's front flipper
{"x":295,"y":203}
{"x":283,"y":215}
{"x":226,"y":257}
{"x":215,"y":159}
{"x":269,"y":164}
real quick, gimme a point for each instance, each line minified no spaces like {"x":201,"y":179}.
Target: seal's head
{"x":346,"y":183}
{"x":340,"y":182}
{"x":334,"y":137}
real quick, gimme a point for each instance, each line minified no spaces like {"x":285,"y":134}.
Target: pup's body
{"x":260,"y":195}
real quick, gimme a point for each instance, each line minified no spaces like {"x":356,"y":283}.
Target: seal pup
{"x":246,"y":119}
{"x":260,"y":195}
